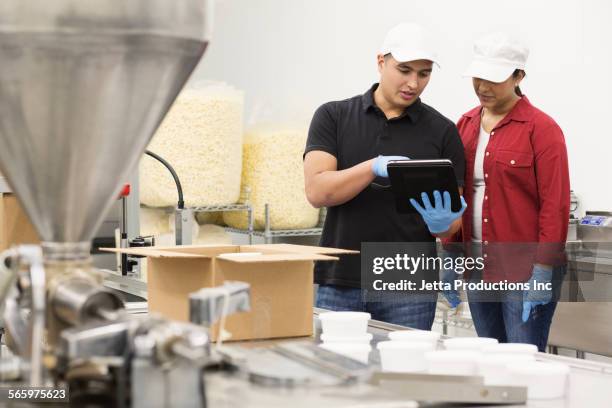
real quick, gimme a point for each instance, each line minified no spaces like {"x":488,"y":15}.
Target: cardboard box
{"x":15,"y":226}
{"x":280,"y":275}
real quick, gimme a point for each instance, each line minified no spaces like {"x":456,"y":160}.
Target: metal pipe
{"x":250,"y":222}
{"x":267,"y":223}
{"x":8,"y":276}
{"x":66,"y":251}
{"x":124,"y":236}
{"x":77,"y":301}
{"x":31,"y":256}
{"x":37,"y":332}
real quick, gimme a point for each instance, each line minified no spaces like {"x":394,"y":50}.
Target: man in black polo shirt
{"x":349,"y":145}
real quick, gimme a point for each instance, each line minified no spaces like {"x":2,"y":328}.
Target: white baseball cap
{"x":408,"y":42}
{"x":496,"y":57}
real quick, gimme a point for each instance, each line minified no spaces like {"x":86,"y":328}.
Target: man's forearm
{"x":330,"y":188}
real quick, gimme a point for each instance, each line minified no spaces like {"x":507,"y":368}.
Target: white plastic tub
{"x":511,"y":348}
{"x":360,"y":339}
{"x":344,"y":324}
{"x":493,"y":366}
{"x":356,"y":351}
{"x":468,"y":343}
{"x":415,"y":335}
{"x":403,"y":356}
{"x":544,"y":380}
{"x":452,"y":362}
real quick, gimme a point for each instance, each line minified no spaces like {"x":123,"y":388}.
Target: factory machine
{"x":83,"y":86}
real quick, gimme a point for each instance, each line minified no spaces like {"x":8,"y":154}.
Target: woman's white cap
{"x":409,"y":42}
{"x":496,"y":57}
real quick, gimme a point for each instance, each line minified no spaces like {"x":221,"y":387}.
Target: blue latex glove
{"x":379,"y":167}
{"x":450,"y":276}
{"x":532,"y":297}
{"x":440,"y":217}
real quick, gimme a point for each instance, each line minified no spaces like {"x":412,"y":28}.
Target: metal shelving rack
{"x":232,"y":207}
{"x":269,"y":234}
{"x":228,"y":207}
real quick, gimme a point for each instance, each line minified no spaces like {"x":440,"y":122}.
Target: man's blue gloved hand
{"x":379,"y":167}
{"x":440,"y":217}
{"x":449,"y":276}
{"x":533,"y":297}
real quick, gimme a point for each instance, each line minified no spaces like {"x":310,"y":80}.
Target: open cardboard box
{"x":280,"y":275}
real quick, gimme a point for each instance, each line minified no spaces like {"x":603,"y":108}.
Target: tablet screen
{"x":410,"y":178}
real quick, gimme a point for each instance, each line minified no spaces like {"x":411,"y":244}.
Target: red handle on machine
{"x":125,"y":191}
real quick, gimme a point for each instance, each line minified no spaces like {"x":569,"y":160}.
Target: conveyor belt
{"x":590,"y":384}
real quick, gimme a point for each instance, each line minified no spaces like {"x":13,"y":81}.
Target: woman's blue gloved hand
{"x":439,"y":217}
{"x":379,"y":167}
{"x":534,"y":297}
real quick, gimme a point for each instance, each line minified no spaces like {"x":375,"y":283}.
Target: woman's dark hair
{"x":516,"y":74}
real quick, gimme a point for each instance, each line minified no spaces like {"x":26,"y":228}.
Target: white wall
{"x":290,"y":56}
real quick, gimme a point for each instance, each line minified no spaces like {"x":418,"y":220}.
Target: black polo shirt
{"x":355,"y":130}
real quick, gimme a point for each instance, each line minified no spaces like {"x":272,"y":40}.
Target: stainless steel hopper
{"x":83,"y":86}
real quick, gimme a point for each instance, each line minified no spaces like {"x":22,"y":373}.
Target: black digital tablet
{"x":409,"y":178}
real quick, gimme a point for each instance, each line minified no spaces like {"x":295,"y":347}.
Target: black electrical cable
{"x":181,"y":202}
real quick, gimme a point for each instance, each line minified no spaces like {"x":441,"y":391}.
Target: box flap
{"x":256,"y":257}
{"x":154,"y":252}
{"x":241,"y":254}
{"x":198,"y":249}
{"x":303,"y":249}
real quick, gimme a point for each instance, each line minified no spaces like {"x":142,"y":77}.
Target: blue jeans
{"x":502,"y":321}
{"x":417,"y":314}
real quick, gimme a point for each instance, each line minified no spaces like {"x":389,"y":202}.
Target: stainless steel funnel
{"x":83,"y":86}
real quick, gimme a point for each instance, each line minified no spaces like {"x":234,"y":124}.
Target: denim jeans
{"x":416,"y":314}
{"x":503,"y":320}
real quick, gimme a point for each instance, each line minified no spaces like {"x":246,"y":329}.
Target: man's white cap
{"x":496,"y":57}
{"x":408,"y":42}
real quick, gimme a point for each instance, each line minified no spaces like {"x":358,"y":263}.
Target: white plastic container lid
{"x":453,"y":356}
{"x":414,"y":335}
{"x":452,"y":362}
{"x":344,"y":316}
{"x":503,"y":358}
{"x":511,"y":348}
{"x":468,"y":343}
{"x":404,"y":356}
{"x":405,"y":345}
{"x":362,"y":338}
{"x":493,"y":366}
{"x":344,"y":324}
{"x":539,"y":368}
{"x":544,"y":380}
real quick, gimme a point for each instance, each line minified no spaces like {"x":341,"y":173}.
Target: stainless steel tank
{"x":83,"y":86}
